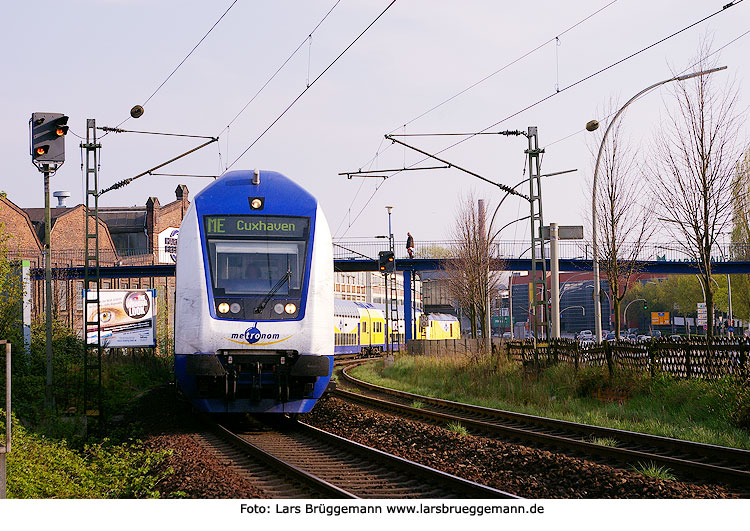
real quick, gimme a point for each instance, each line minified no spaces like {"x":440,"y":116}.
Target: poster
{"x":127,"y":318}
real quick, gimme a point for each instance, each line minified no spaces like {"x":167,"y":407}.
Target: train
{"x":254,"y":297}
{"x":360,"y":328}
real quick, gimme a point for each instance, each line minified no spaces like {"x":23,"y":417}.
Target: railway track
{"x":310,"y":463}
{"x":694,"y":461}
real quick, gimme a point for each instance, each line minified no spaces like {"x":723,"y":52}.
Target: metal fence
{"x":369,"y":248}
{"x":695,"y":358}
{"x":569,"y":249}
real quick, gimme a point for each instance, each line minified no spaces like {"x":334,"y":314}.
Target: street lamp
{"x":592,"y":126}
{"x":625,"y":313}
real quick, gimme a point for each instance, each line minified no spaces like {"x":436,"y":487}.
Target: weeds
{"x":652,"y":470}
{"x":605,"y":441}
{"x":458,"y":428}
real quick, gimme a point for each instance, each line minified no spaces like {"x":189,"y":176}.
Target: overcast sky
{"x":97,"y":59}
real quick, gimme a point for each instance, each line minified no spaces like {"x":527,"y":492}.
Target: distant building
{"x":138,"y":235}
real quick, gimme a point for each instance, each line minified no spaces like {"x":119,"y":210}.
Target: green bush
{"x":39,"y":467}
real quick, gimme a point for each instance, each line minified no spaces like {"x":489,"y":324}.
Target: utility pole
{"x":539,"y":285}
{"x":49,"y":395}
{"x":47,"y":132}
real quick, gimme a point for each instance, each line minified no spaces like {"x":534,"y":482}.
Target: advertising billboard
{"x":127,"y":318}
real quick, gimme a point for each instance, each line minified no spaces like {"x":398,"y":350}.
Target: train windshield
{"x":250,"y":264}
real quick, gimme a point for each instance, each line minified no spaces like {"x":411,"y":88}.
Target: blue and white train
{"x":254,"y":297}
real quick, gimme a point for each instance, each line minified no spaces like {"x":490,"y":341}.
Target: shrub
{"x":39,"y":467}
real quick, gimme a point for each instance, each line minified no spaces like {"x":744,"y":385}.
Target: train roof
{"x":230,"y":193}
{"x":351,"y":308}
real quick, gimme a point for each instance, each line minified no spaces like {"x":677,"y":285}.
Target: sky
{"x":97,"y":59}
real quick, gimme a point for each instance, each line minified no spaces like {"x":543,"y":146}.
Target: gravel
{"x":200,"y":472}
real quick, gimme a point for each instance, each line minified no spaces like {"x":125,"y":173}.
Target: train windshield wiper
{"x":286,"y":278}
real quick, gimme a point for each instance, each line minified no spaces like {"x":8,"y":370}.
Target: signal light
{"x":385,"y":261}
{"x":47,"y":132}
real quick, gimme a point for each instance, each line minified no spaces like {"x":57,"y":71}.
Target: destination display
{"x":256,"y":226}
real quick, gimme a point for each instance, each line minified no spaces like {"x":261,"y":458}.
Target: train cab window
{"x":364,"y":327}
{"x":255,"y":267}
{"x":251,"y":255}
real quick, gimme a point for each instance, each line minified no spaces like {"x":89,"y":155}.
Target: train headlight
{"x":290,"y":308}
{"x":235,"y":307}
{"x":279,"y":308}
{"x":223,"y":307}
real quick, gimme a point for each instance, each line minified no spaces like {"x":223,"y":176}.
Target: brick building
{"x":139,"y":235}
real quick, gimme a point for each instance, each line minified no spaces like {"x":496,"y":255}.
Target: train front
{"x":254,"y":297}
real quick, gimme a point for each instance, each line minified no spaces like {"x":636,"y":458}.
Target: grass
{"x":709,"y":412}
{"x":604,"y":441}
{"x":654,"y":471}
{"x":457,"y":427}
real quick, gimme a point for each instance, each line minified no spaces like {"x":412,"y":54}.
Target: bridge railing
{"x":369,"y":248}
{"x":569,"y":249}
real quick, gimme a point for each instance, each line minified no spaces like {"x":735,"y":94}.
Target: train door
{"x":365,"y":330}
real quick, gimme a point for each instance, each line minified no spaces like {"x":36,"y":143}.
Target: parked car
{"x":506,"y":335}
{"x":610,"y":336}
{"x":585,"y":334}
{"x":675,"y":337}
{"x":644,"y":337}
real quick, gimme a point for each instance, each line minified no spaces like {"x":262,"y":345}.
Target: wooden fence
{"x":694,"y":358}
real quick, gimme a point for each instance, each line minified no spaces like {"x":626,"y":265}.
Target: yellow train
{"x":360,"y":328}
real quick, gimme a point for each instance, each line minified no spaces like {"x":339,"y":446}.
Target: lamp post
{"x":625,"y":313}
{"x":592,"y":126}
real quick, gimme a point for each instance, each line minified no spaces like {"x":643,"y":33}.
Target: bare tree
{"x":624,"y":214}
{"x":471,"y":283}
{"x":693,"y":166}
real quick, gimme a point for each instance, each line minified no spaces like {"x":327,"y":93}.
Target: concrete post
{"x":554,"y":280}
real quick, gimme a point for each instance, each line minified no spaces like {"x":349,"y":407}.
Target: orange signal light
{"x":59,"y":131}
{"x":41,"y":150}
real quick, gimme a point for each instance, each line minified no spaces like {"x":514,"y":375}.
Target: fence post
{"x":651,"y":360}
{"x":688,"y":368}
{"x":608,"y":356}
{"x":743,"y":360}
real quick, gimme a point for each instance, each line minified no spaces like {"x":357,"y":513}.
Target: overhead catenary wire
{"x":184,"y":59}
{"x":582,"y":80}
{"x":473,"y":85}
{"x":506,"y":66}
{"x":550,"y":96}
{"x":330,"y":65}
{"x":280,"y":68}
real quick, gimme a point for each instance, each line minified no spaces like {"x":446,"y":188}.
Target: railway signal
{"x":385,"y":261}
{"x":47,"y":132}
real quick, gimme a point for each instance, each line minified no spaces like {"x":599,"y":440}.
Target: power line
{"x":308,"y":38}
{"x":586,"y":78}
{"x":522,"y":57}
{"x":311,"y":84}
{"x":542,"y":45}
{"x":185,"y":59}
